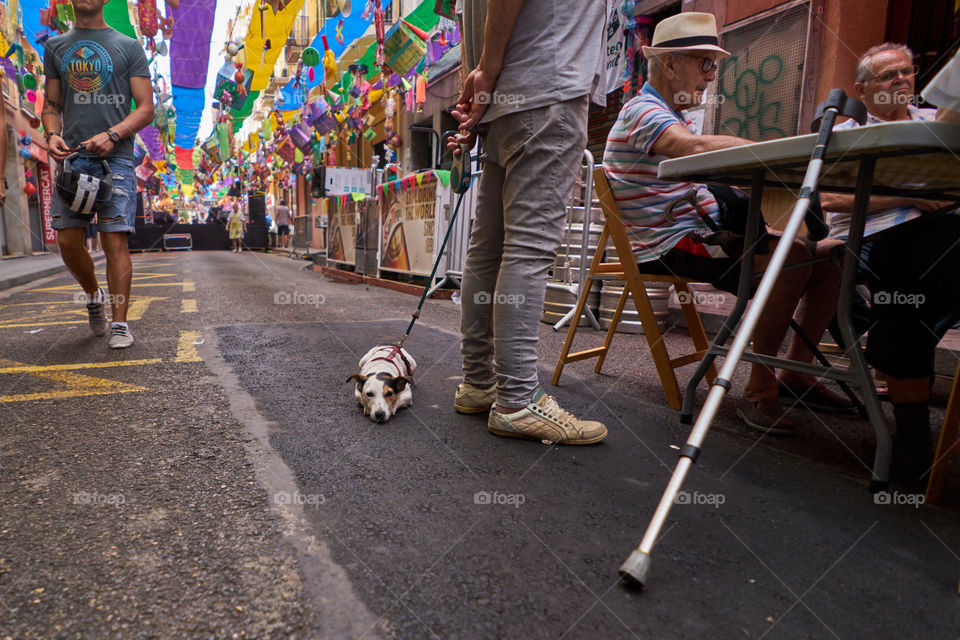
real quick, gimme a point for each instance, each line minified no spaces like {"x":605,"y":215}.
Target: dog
{"x":384,"y":381}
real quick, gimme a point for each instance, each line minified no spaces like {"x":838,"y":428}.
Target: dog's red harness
{"x":394,"y":352}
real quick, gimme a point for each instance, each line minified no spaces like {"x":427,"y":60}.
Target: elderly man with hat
{"x":684,"y":241}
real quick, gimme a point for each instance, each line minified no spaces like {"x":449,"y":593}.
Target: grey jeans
{"x":532,"y":159}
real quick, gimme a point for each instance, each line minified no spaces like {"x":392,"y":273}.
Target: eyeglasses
{"x":906,"y":72}
{"x":706,"y":64}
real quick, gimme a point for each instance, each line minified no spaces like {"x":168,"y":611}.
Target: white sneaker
{"x":544,"y":420}
{"x":97,"y":316}
{"x":120,"y":337}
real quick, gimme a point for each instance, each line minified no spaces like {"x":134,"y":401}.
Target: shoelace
{"x":117,"y":330}
{"x":559,"y":414}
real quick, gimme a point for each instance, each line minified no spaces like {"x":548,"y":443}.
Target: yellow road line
{"x":78,"y":385}
{"x":188,"y":306}
{"x":137,"y":308}
{"x":187,"y":347}
{"x":188,"y":286}
{"x":25,"y":368}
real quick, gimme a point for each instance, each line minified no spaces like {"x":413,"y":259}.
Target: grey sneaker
{"x":120,"y":337}
{"x":544,"y":420}
{"x":471,"y":399}
{"x":97,"y":315}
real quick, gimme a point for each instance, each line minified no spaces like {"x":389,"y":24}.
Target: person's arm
{"x":948,"y":115}
{"x":843,"y":203}
{"x":52,"y":119}
{"x":480,"y":82}
{"x":676,"y":142}
{"x":140,"y":117}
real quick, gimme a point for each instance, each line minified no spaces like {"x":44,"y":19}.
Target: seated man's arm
{"x":676,"y":142}
{"x":843,"y":203}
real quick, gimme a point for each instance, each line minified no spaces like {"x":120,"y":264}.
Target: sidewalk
{"x":17,"y":271}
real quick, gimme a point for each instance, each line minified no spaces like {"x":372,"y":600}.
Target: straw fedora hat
{"x":689,"y":31}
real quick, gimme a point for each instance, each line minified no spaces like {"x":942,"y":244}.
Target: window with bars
{"x":758,"y":88}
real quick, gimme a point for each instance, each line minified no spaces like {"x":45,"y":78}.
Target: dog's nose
{"x":379,"y":415}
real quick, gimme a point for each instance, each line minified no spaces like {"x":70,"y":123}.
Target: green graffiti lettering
{"x":744,"y":90}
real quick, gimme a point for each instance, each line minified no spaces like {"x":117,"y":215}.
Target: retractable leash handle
{"x":460,"y":182}
{"x":636,"y":567}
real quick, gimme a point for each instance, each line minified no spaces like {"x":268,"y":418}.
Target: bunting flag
{"x":190,"y":43}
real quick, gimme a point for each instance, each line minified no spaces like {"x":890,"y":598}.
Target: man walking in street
{"x":533,"y":67}
{"x":93,"y":72}
{"x":283,"y":224}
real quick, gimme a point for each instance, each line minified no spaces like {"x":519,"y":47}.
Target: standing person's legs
{"x":541,"y":151}
{"x":75,"y":255}
{"x":480,"y":277}
{"x":119,"y":272}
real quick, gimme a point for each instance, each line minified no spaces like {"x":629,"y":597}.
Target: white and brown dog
{"x":384,"y":381}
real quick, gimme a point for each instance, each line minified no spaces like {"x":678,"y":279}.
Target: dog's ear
{"x":360,"y":379}
{"x":400,"y":383}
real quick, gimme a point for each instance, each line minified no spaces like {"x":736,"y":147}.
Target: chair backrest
{"x":615,"y":226}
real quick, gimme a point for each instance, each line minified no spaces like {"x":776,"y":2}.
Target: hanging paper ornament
{"x":147,"y":10}
{"x":310,"y":57}
{"x":311,"y":74}
{"x":29,"y":81}
{"x":329,"y":62}
{"x":31,"y":96}
{"x":34,"y":122}
{"x":29,"y":189}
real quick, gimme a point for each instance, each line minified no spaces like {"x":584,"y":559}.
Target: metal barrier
{"x":456,"y":251}
{"x":301,"y":234}
{"x":564,"y":286}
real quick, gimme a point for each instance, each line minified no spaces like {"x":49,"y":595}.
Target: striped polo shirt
{"x":632,"y":172}
{"x":839,"y":223}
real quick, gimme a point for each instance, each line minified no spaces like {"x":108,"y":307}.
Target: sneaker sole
{"x":459,"y":408}
{"x":774,"y":431}
{"x":121,"y":346}
{"x":522,"y":436}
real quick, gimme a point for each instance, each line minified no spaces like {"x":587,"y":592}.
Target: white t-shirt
{"x":944,"y":90}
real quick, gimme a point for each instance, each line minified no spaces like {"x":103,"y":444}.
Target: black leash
{"x":460,"y":180}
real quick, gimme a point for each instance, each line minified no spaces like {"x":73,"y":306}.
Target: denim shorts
{"x":115,"y":216}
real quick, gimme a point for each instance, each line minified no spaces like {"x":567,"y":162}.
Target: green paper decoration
{"x":310,"y":57}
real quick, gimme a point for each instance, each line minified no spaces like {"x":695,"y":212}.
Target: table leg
{"x":881,"y":463}
{"x":743,"y":297}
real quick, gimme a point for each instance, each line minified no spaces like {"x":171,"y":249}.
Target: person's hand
{"x":476,"y":96}
{"x":100,"y":144}
{"x":57,"y":147}
{"x":929,"y":206}
{"x":468,"y":138}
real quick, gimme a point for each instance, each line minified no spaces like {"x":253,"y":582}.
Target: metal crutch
{"x":634,"y":570}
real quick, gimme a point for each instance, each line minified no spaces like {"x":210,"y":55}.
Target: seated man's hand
{"x":929,"y":206}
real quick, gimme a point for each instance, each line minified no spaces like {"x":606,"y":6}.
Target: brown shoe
{"x":766,"y":416}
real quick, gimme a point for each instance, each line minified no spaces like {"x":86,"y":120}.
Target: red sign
{"x":38,"y":152}
{"x":46,"y":203}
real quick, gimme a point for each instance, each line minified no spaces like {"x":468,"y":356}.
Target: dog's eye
{"x":369,"y":394}
{"x":387,"y":394}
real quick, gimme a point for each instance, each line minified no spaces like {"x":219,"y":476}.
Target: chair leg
{"x":581,"y":305}
{"x":946,"y":445}
{"x":614,"y":323}
{"x":668,"y":379}
{"x":688,"y":305}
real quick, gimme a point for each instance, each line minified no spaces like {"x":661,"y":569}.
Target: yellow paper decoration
{"x":275,"y":28}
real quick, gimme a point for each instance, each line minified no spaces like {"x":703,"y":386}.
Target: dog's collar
{"x":394,"y":352}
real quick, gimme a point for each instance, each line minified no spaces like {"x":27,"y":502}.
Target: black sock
{"x":911,"y":416}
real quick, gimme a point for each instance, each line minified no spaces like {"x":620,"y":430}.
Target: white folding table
{"x":912,"y":159}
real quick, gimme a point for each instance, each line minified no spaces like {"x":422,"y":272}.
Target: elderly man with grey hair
{"x":911,"y":262}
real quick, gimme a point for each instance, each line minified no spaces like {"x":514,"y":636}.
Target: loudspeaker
{"x":258,"y":210}
{"x":318,"y":182}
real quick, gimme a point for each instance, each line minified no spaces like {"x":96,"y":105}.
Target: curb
{"x":27,"y":278}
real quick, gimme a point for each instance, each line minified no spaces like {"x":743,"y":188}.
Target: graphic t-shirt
{"x":94,"y":67}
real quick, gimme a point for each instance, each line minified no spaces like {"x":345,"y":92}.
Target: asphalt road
{"x":218,"y":480}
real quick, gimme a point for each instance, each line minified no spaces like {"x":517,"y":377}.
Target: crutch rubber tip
{"x":634,"y":569}
{"x":686,"y":418}
{"x":876,"y":486}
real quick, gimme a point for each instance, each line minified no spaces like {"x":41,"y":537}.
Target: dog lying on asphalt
{"x":384,"y":381}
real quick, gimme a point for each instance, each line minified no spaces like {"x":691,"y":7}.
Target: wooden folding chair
{"x":948,"y":445}
{"x":634,"y":287}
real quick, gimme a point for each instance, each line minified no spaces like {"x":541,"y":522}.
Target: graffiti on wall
{"x":752,"y":109}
